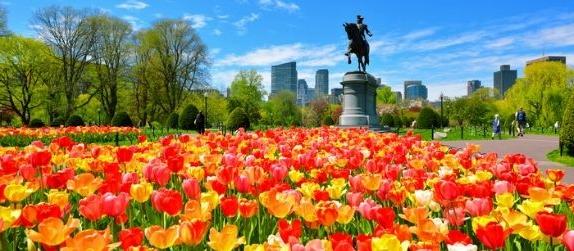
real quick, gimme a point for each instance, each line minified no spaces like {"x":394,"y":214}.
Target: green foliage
{"x":187,"y":118}
{"x":388,"y":119}
{"x":542,"y":93}
{"x":567,"y":130}
{"x":238,"y":118}
{"x":386,"y":96}
{"x":59,"y":121}
{"x":282,"y":110}
{"x":247,"y":92}
{"x":36,"y":123}
{"x":172,"y":121}
{"x":398,"y":121}
{"x":427,"y":118}
{"x":328,"y":121}
{"x":122,"y":119}
{"x":75,"y":120}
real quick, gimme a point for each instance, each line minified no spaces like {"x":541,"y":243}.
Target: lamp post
{"x":205,"y":99}
{"x":441,"y":116}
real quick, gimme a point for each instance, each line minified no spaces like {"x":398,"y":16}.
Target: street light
{"x":205,"y":120}
{"x":441,"y":117}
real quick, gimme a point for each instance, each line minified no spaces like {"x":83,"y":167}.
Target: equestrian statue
{"x":358,"y":44}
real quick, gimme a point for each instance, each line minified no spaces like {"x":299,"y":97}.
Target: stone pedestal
{"x":359,"y":100}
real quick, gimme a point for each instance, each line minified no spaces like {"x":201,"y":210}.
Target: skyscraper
{"x":284,"y":77}
{"x":472,"y":86}
{"x":560,"y":59}
{"x":302,"y":89}
{"x":322,"y":82}
{"x":414,"y":89}
{"x":504,"y":79}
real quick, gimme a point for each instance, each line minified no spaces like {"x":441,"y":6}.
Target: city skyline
{"x":443,"y":46}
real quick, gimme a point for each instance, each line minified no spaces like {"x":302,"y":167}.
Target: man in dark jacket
{"x":200,"y":123}
{"x":521,"y":119}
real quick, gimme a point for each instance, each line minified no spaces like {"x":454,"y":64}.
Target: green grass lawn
{"x":564,"y":159}
{"x":455,"y":134}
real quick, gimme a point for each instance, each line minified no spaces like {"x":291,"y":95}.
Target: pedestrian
{"x":521,"y":119}
{"x":200,"y":123}
{"x":496,"y":126}
{"x":556,"y":127}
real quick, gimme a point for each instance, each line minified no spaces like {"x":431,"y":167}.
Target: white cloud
{"x":215,"y":51}
{"x":132,"y":5}
{"x":198,"y":21}
{"x":222,"y":17}
{"x":242,"y":23}
{"x":136,"y":23}
{"x":419,"y":34}
{"x":305,"y":55}
{"x":556,"y":36}
{"x":278,"y":4}
{"x":500,"y":43}
{"x":217,"y":32}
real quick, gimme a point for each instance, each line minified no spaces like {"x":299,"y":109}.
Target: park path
{"x":534,"y":146}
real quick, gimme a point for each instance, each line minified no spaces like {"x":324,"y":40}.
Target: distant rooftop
{"x":560,"y":59}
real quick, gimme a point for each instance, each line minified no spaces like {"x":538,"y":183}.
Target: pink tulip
{"x":455,"y":216}
{"x":478,"y":206}
{"x":568,"y":240}
{"x":354,"y":198}
{"x":191,"y":188}
{"x":503,"y":186}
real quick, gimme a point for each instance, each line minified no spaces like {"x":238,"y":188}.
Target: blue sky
{"x":444,"y":43}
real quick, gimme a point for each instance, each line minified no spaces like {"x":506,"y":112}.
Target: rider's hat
{"x":360,"y":17}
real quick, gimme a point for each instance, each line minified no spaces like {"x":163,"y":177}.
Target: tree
{"x":112,"y":52}
{"x":177,"y":61}
{"x":458,"y":110}
{"x":71,"y":35}
{"x":428,"y":118}
{"x":238,"y":119}
{"x":282,"y":110}
{"x":385,"y":95}
{"x":542,"y":92}
{"x":122,"y":119}
{"x":4,"y":31}
{"x":567,"y":130}
{"x":187,"y":118}
{"x":247,"y":92}
{"x":22,"y":71}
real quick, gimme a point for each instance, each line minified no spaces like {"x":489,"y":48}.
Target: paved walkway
{"x":534,"y":146}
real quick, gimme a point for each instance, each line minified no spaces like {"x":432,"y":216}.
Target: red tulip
{"x":385,"y":217}
{"x":456,"y":236}
{"x":58,"y":180}
{"x":142,"y":138}
{"x":167,"y":201}
{"x":289,"y":232}
{"x":131,"y":237}
{"x":363,"y":242}
{"x":492,"y":235}
{"x":248,"y":208}
{"x":341,"y":241}
{"x":124,"y":154}
{"x":568,"y":240}
{"x":64,"y":142}
{"x":229,"y":206}
{"x":115,"y":205}
{"x":446,"y":191}
{"x":321,"y":195}
{"x":193,"y":232}
{"x":91,"y":207}
{"x":157,"y":172}
{"x":175,"y":163}
{"x":191,"y":188}
{"x":551,"y":224}
{"x":279,"y":172}
{"x":243,"y":184}
{"x":39,"y":158}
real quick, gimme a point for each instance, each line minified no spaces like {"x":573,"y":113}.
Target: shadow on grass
{"x":564,"y":159}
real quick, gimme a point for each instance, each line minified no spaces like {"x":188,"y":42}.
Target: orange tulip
{"x":248,"y":208}
{"x":346,"y":214}
{"x":85,"y":184}
{"x":96,"y":240}
{"x":415,"y":215}
{"x":306,"y":210}
{"x":278,"y":204}
{"x":52,"y":231}
{"x":327,"y":213}
{"x":192,"y":232}
{"x":226,"y":240}
{"x":162,"y":238}
{"x":371,"y":182}
{"x":194,"y":210}
{"x":555,"y":175}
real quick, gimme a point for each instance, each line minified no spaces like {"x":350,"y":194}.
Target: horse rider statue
{"x":358,"y":44}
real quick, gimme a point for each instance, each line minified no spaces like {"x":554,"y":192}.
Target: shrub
{"x":172,"y":121}
{"x":397,"y":121}
{"x":75,"y":120}
{"x":122,"y":119}
{"x":328,"y":120}
{"x":567,"y":130}
{"x":36,"y":123}
{"x":427,"y":118}
{"x":387,"y":119}
{"x":187,"y":118}
{"x":59,"y":121}
{"x":238,"y":119}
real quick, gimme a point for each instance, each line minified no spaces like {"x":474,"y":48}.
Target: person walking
{"x":496,"y":127}
{"x":200,"y":123}
{"x":521,"y":119}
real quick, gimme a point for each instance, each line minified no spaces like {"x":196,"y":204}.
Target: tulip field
{"x":281,"y":189}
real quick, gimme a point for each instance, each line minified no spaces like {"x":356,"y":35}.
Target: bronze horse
{"x":359,"y":46}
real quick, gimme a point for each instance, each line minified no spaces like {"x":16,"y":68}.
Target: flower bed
{"x":22,"y":136}
{"x":303,"y":189}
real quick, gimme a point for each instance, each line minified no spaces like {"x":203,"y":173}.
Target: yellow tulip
{"x":530,"y":232}
{"x":482,"y":221}
{"x":141,"y":192}
{"x":530,"y":207}
{"x":483,"y":175}
{"x":514,"y":219}
{"x":387,"y":242}
{"x":254,"y":247}
{"x":8,"y":216}
{"x":346,"y":214}
{"x":296,"y":176}
{"x":162,"y":238}
{"x":59,"y":198}
{"x":543,"y":195}
{"x":211,"y":198}
{"x":226,"y":240}
{"x":306,"y":210}
{"x":308,"y":189}
{"x":505,"y":200}
{"x":196,"y":172}
{"x":17,"y":192}
{"x":337,"y":188}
